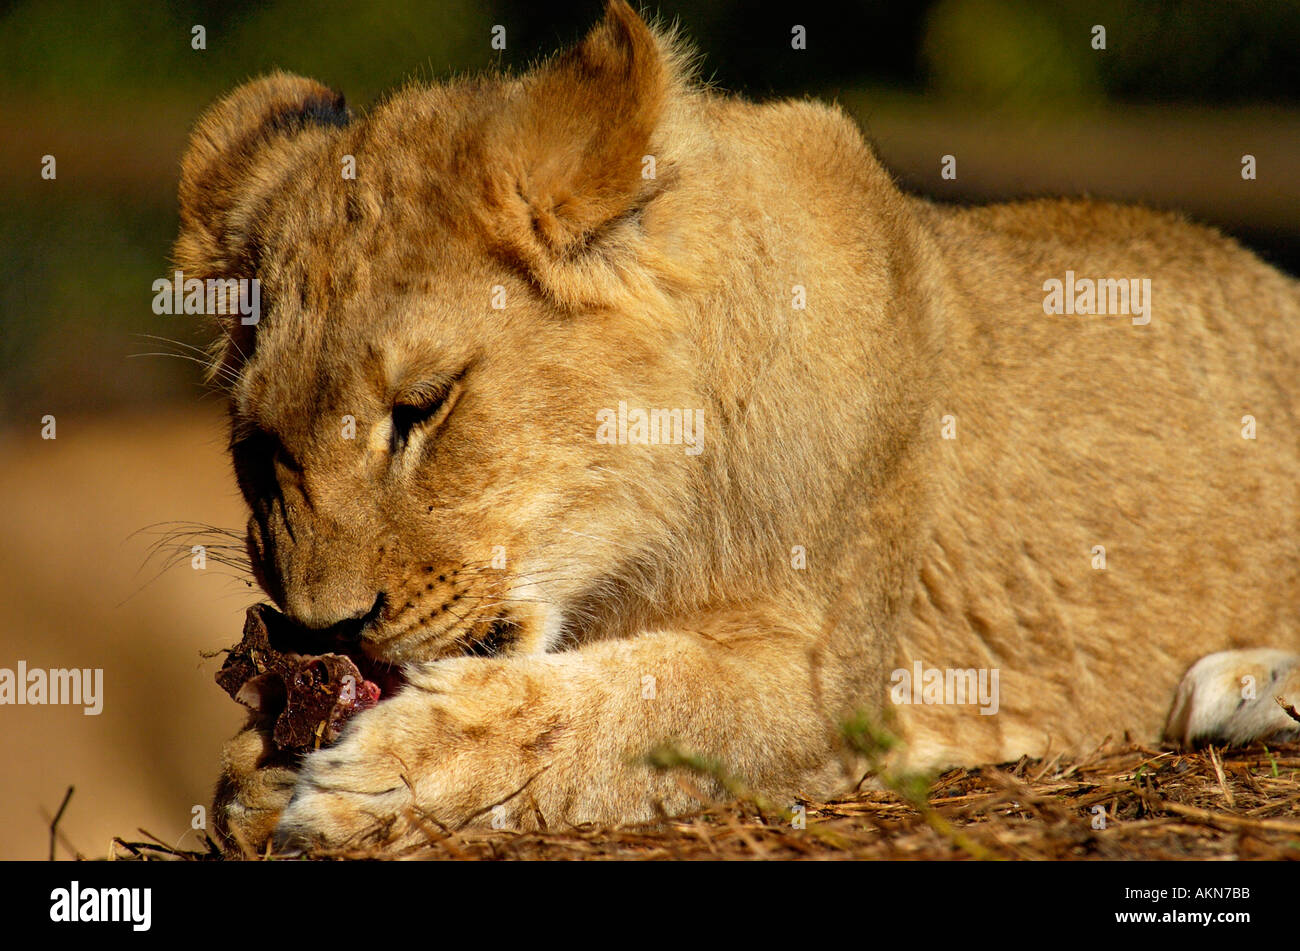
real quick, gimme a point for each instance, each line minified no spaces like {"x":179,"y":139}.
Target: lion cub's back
{"x":1119,"y":498}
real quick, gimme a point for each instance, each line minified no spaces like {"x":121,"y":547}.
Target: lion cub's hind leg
{"x":1231,"y":697}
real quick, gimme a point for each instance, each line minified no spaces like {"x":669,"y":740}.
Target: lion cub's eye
{"x":423,"y":406}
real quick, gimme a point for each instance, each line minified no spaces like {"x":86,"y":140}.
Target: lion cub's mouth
{"x":486,"y":637}
{"x":305,"y":684}
{"x":344,"y":638}
{"x":302,"y":685}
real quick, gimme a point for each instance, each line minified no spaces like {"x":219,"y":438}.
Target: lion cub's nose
{"x":345,"y":620}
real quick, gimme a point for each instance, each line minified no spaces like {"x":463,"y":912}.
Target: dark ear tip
{"x":224,"y":145}
{"x":236,"y":125}
{"x":335,"y":111}
{"x":275,"y":102}
{"x":327,"y":108}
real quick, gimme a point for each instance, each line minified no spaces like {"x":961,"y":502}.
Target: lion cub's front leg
{"x":549,"y":740}
{"x":446,"y":751}
{"x":252,"y":792}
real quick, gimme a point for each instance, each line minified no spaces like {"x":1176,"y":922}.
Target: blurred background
{"x":1016,"y":90}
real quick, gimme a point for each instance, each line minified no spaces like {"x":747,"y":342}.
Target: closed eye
{"x":421,"y":408}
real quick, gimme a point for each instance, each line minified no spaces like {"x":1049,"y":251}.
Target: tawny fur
{"x":822,"y":432}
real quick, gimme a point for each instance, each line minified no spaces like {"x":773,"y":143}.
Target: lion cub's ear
{"x":567,"y":151}
{"x":230,"y":162}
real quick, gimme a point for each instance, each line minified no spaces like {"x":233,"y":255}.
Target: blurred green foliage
{"x":1000,"y":51}
{"x":64,"y":48}
{"x":1024,"y":54}
{"x":1203,"y":50}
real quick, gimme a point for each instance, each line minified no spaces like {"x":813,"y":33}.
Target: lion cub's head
{"x":452,"y":289}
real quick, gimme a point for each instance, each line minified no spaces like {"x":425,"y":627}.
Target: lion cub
{"x":617,"y":414}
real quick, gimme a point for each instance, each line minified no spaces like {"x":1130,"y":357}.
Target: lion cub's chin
{"x":491,"y":637}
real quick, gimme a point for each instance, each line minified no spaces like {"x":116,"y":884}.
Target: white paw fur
{"x":1229,"y":697}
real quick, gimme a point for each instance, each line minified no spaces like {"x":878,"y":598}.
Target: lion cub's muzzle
{"x":345,"y":637}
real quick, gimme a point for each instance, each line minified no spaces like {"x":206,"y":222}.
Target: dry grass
{"x":1157,"y":804}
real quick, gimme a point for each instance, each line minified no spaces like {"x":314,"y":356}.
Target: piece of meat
{"x":311,"y":696}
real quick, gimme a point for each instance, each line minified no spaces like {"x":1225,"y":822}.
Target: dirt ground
{"x":1122,"y":801}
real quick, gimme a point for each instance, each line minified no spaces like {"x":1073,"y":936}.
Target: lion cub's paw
{"x":467,"y":743}
{"x":353,"y":798}
{"x":359,"y":793}
{"x":251,"y":794}
{"x":1230,"y":697}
